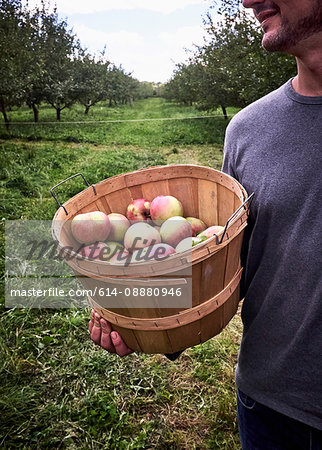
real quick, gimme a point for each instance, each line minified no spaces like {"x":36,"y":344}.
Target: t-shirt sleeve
{"x":228,"y":165}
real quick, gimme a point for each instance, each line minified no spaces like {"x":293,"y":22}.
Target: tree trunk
{"x":224,"y":112}
{"x":110,"y":103}
{"x":58,"y":110}
{"x":3,"y":110}
{"x":87,"y":109}
{"x":36,"y":112}
{"x":131,"y":102}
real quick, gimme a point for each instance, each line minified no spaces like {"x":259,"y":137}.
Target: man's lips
{"x":263,"y":16}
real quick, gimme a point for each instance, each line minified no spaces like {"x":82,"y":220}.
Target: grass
{"x":143,"y":134}
{"x":59,"y":390}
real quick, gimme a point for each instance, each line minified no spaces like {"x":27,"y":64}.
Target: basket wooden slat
{"x":208,"y":201}
{"x":153,"y":189}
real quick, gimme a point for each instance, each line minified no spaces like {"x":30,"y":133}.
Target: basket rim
{"x":210,"y":244}
{"x":148,"y":169}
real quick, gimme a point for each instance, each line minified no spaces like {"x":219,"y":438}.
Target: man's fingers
{"x":106,"y":326}
{"x":120,"y":346}
{"x":96,"y":330}
{"x":102,"y":334}
{"x":106,"y":341}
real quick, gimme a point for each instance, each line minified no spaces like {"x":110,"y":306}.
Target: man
{"x":273,"y":147}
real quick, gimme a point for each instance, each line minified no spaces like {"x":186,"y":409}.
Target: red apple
{"x":138,"y":210}
{"x":141,"y":235}
{"x":90,"y":227}
{"x":197,"y":225}
{"x":97,"y":250}
{"x":174,"y":229}
{"x":122,"y":258}
{"x":157,"y":252}
{"x":119,"y":225}
{"x":211,"y":231}
{"x":163,"y":207}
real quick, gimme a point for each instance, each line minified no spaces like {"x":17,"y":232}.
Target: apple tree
{"x":61,"y":48}
{"x":90,"y":79}
{"x":16,"y":61}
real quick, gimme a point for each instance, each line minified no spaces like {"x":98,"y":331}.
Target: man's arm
{"x":228,"y":165}
{"x":230,"y":168}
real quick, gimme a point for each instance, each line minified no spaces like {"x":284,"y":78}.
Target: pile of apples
{"x":149,"y":230}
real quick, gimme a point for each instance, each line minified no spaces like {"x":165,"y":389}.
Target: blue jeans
{"x":262,"y":428}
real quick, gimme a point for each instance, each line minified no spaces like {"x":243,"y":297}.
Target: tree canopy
{"x":41,"y":60}
{"x":231,"y":68}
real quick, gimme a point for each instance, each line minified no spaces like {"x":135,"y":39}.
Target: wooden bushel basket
{"x":214,"y":197}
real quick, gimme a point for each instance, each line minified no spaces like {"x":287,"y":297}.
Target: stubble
{"x":290,"y":34}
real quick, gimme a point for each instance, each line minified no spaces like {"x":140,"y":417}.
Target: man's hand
{"x":102,"y":334}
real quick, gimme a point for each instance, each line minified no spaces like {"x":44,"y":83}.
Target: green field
{"x":59,"y":390}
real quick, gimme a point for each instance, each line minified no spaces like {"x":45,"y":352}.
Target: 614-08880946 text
{"x":141,"y":292}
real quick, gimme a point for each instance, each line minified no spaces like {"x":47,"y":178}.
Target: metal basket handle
{"x":246,"y":206}
{"x":62,"y":182}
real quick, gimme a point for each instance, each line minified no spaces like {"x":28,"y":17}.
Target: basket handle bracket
{"x":246,"y":206}
{"x":62,"y":182}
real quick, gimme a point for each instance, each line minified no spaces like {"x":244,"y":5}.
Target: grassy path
{"x":57,"y":389}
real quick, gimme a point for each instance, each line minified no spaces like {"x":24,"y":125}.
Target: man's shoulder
{"x":252,"y":113}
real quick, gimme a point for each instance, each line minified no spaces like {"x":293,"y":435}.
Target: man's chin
{"x":273,"y":42}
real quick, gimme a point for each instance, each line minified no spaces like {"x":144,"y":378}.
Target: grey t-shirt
{"x":273,"y":148}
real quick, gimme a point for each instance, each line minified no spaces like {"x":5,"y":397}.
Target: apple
{"x":197,"y":225}
{"x":122,"y":258}
{"x":196,"y":240}
{"x":138,"y":210}
{"x":157,"y":252}
{"x":119,"y":225}
{"x":163,"y":207}
{"x":141,"y":235}
{"x":97,"y":250}
{"x":174,"y":229}
{"x":112,"y":248}
{"x":188,"y":243}
{"x":210,"y":231}
{"x":185,"y":244}
{"x":90,"y":227}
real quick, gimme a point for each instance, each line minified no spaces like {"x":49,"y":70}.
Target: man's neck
{"x":309,"y":65}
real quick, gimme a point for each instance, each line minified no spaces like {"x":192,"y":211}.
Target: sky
{"x":146,"y":37}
